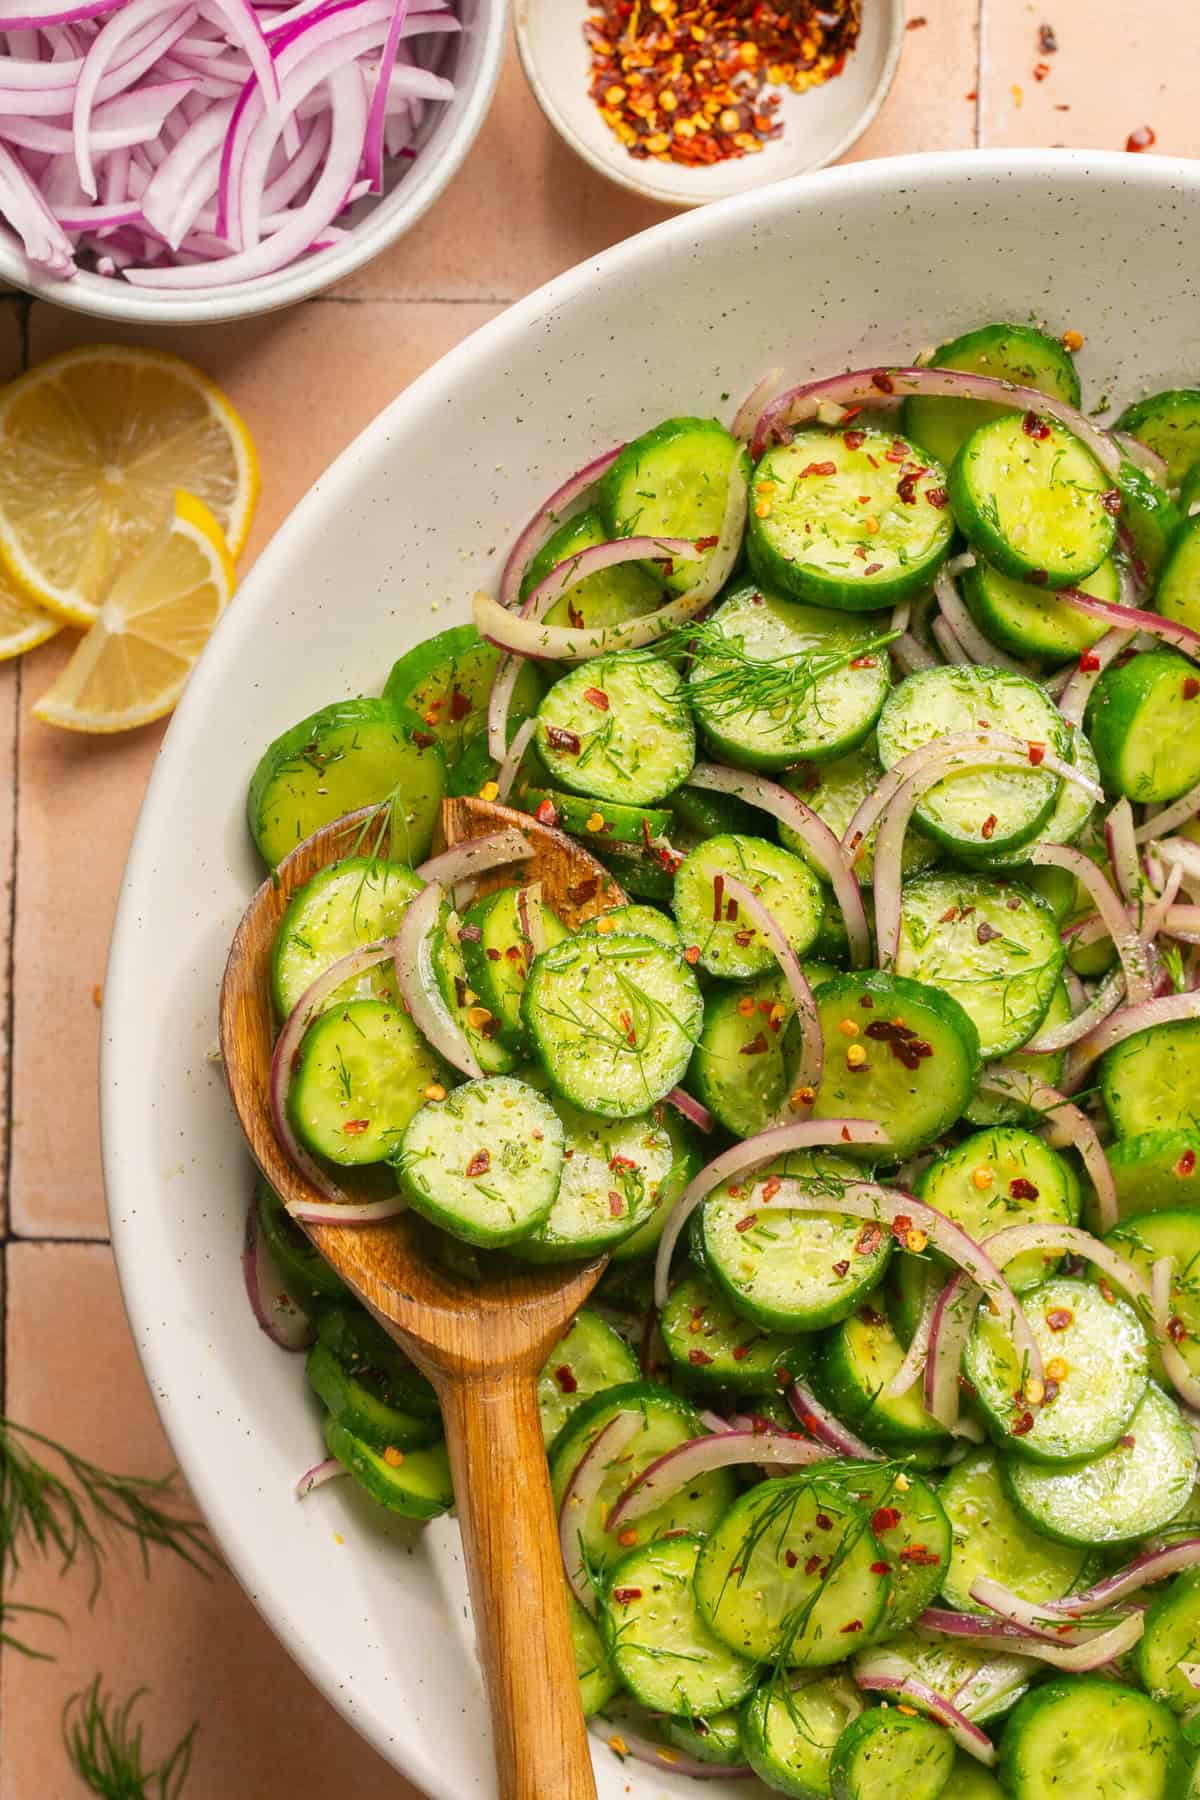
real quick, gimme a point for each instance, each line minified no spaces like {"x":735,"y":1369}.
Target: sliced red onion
{"x":692,"y":1110}
{"x":1133,"y":618}
{"x":1165,"y":1011}
{"x":1126,"y":939}
{"x":349,"y":1212}
{"x":418,"y":983}
{"x":812,"y":1044}
{"x":1067,"y":1125}
{"x":977,"y":644}
{"x":1162,"y":910}
{"x":967,"y":1736}
{"x":819,"y":840}
{"x":1122,"y":851}
{"x":725,"y":1449}
{"x":1152,"y":1566}
{"x":531,"y":919}
{"x":475,"y":856}
{"x":283,"y":1319}
{"x":573,"y":569}
{"x":1180,"y":812}
{"x":902,"y":614}
{"x":1106,"y":999}
{"x":1185,"y":1383}
{"x":1091,"y":1653}
{"x":915,"y":1357}
{"x":1087,"y":672}
{"x":826,"y":1429}
{"x":506,"y":774}
{"x":746,"y":416}
{"x":879,"y":388}
{"x":953,"y":1317}
{"x":110,"y":41}
{"x":1183,"y":853}
{"x":911,"y":654}
{"x":805,"y":1134}
{"x":1154,"y":465}
{"x":548,"y":515}
{"x":998,"y":1625}
{"x":948,"y":642}
{"x":318,"y":1475}
{"x":582,"y":1489}
{"x":668,"y":1761}
{"x":1072,"y":1240}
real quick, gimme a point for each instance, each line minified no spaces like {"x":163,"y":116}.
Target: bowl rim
{"x":104,"y":297}
{"x":621,"y":169}
{"x":122,"y":1033}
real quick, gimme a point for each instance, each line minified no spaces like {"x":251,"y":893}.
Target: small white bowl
{"x":472,"y":60}
{"x":818,"y":126}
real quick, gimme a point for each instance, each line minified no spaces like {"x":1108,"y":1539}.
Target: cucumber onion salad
{"x":194,"y":143}
{"x":876,"y":1451}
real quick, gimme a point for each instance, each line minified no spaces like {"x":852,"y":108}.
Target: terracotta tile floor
{"x":521,"y":210}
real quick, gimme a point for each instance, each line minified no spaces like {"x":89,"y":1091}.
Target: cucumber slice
{"x":417,"y":1486}
{"x":1169,"y":1644}
{"x":659,"y":1643}
{"x":709,"y":921}
{"x":614,"y":1171}
{"x":713,"y":1346}
{"x":986,"y":810}
{"x":1150,"y":520}
{"x":790,"y":1732}
{"x":1071,"y":815}
{"x":1150,"y":1081}
{"x":1142,"y":1241}
{"x":445,"y":682}
{"x":605,"y":821}
{"x":909,"y":1277}
{"x":884,"y":1753}
{"x":1100,"y":1348}
{"x":784,"y":1269}
{"x":699,"y":814}
{"x":364,"y":1351}
{"x":792,"y":1573}
{"x":667,"y":1421}
{"x":611,"y":597}
{"x":855,"y":520}
{"x":645,"y":877}
{"x":482,"y":1033}
{"x":794,"y":681}
{"x":618,"y":728}
{"x":485,"y":1162}
{"x":355,"y":753}
{"x":362,"y":1073}
{"x":991,"y":1538}
{"x":991,"y":945}
{"x":598,"y":1679}
{"x":1005,"y":1176}
{"x":1169,"y":424}
{"x":1156,"y":1172}
{"x":911,"y":1528}
{"x":717,"y":1739}
{"x":749,"y":1046}
{"x":348,"y":904}
{"x":1129,"y":1491}
{"x":1143,"y":717}
{"x":612,"y":1020}
{"x":307,"y":1276}
{"x":673,"y":482}
{"x":922,"y":1060}
{"x":1017,"y":353}
{"x":588,"y":1358}
{"x":1177,"y":595}
{"x":835,"y":791}
{"x":1029,"y":621}
{"x":1033,"y":499}
{"x":1189,"y":492}
{"x":969,"y":1780}
{"x":687,"y":1160}
{"x":854,"y":1367}
{"x":363,"y":1405}
{"x":1091,"y":1737}
{"x":497,"y":938}
{"x":637,"y":921}
{"x":979,"y":1683}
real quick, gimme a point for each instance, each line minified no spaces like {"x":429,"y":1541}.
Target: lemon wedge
{"x":23,"y":626}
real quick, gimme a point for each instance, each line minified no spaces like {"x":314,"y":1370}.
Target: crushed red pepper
{"x":686,"y":82}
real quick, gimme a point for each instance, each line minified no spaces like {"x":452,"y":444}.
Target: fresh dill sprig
{"x":741,"y":685}
{"x":104,"y":1744}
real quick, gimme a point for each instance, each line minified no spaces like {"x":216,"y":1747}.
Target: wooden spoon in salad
{"x":482,"y":1344}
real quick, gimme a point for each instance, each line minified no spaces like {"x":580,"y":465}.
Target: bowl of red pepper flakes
{"x":686,"y":101}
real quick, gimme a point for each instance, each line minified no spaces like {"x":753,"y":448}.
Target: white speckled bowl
{"x":865,"y":263}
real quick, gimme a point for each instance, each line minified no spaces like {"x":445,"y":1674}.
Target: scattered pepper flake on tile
{"x":1141,"y":139}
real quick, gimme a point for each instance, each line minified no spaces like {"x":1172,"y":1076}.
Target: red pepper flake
{"x":1022,"y":1189}
{"x":881,"y":1568}
{"x":1037,"y":754}
{"x":1186,"y":1165}
{"x":758,"y":1046}
{"x":1176,"y":1329}
{"x":1040,"y":71}
{"x":988,"y":828}
{"x":919,"y":1557}
{"x":625,"y":1595}
{"x":885,"y":1519}
{"x":863,"y":662}
{"x":790,"y":1558}
{"x":616,"y":1203}
{"x":817,"y":468}
{"x":937,"y":497}
{"x":984,"y":933}
{"x":707,"y":543}
{"x":492,"y":954}
{"x":566,"y":1379}
{"x":824,"y":1522}
{"x":1021,"y":1426}
{"x":731,"y":911}
{"x":692,"y":955}
{"x":742,"y":1351}
{"x":1128,"y":1441}
{"x":855,"y":439}
{"x":699,"y":1357}
{"x":627,"y":1027}
{"x":479,"y":1164}
{"x":582,"y":891}
{"x":1111,"y":501}
{"x":569,"y":742}
{"x":906,"y":488}
{"x":854,"y":1625}
{"x":898,"y":452}
{"x":718,"y":897}
{"x":812,"y":1565}
{"x":872,"y":568}
{"x":841,"y":1270}
{"x":1191,"y":687}
{"x":546,"y":813}
{"x":917,"y":23}
{"x":1035,"y":427}
{"x":574,"y":616}
{"x":744,"y":937}
{"x":1141,"y":139}
{"x":746,"y":1223}
{"x":356,"y":1127}
{"x":882,"y":381}
{"x":771,"y":1187}
{"x":1047,"y":40}
{"x":596,"y":697}
{"x":868,"y":1241}
{"x":424,"y":740}
{"x":1106,"y":1293}
{"x":1089,"y":662}
{"x":460,"y":705}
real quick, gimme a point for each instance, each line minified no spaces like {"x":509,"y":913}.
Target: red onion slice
{"x":805,"y":1134}
{"x":1091,"y":1653}
{"x":1164,"y":1011}
{"x":349,"y":1212}
{"x":1162,"y":911}
{"x":967,"y":1736}
{"x":953,"y":1317}
{"x":506,"y":774}
{"x":978,"y":646}
{"x":1122,"y":851}
{"x":1087,"y":672}
{"x":475,"y":856}
{"x":1186,"y":1385}
{"x":1133,"y":618}
{"x":1126,"y":939}
{"x":548,"y":515}
{"x":881,"y":387}
{"x":911,"y":655}
{"x":821,"y":842}
{"x":624,"y":1742}
{"x":1066,"y":1124}
{"x":318,"y":1475}
{"x":998,"y":1625}
{"x":1180,"y":812}
{"x":1152,"y":1566}
{"x":826,"y":1429}
{"x":582,"y":1489}
{"x":692,"y":1110}
{"x":746,"y":416}
{"x":1106,"y":999}
{"x":573,"y":569}
{"x":726,"y":1449}
{"x":915,"y":1357}
{"x":283,"y":1319}
{"x":812,"y":1044}
{"x":949,"y":643}
{"x":418,"y":983}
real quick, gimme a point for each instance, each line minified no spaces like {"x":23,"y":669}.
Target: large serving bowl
{"x":862,"y":264}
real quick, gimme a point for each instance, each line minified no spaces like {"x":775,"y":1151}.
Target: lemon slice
{"x":131,"y":666}
{"x":94,"y":445}
{"x":23,"y":626}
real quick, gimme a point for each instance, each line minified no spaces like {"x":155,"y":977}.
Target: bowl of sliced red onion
{"x":185,"y":160}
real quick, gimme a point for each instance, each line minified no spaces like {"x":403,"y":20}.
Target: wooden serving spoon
{"x":481,"y":1344}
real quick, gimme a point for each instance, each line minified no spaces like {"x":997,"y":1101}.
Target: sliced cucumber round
{"x":717,"y":1739}
{"x":596,"y":821}
{"x":713,"y":1346}
{"x":1143,"y":718}
{"x":1028,"y":620}
{"x":687,"y":1159}
{"x":1001,"y":1177}
{"x":773,"y":681}
{"x":790,"y":1730}
{"x":307,"y":1276}
{"x":417,"y":1486}
{"x":445,"y":682}
{"x":710,"y":921}
{"x":365,"y":1405}
{"x":1018,"y":353}
{"x":1071,"y":815}
{"x":1091,"y":1737}
{"x":588,"y":1358}
{"x":1177,"y":594}
{"x":614,"y":1171}
{"x":748,"y":1049}
{"x":884,"y":1753}
{"x":910,"y":1526}
{"x":835,"y":791}
{"x":598,"y":1679}
{"x":1169,"y":424}
{"x":699,"y":813}
{"x":1033,"y":499}
{"x":347,"y":904}
{"x":610,"y":597}
{"x":658,"y":1640}
{"x":637,"y":921}
{"x":985,"y":809}
{"x":480,"y":1027}
{"x":856,"y":1363}
{"x":990,"y":1537}
{"x":618,"y":728}
{"x":1150,"y":1080}
{"x":485,"y":1162}
{"x":673,"y":481}
{"x":361,"y":1074}
{"x":1142,"y":1241}
{"x":1168,"y":1646}
{"x":850,"y":519}
{"x":1150,"y":521}
{"x":1157,"y":1171}
{"x":497,"y":936}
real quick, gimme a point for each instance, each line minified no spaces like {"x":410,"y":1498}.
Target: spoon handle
{"x":518,"y":1595}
